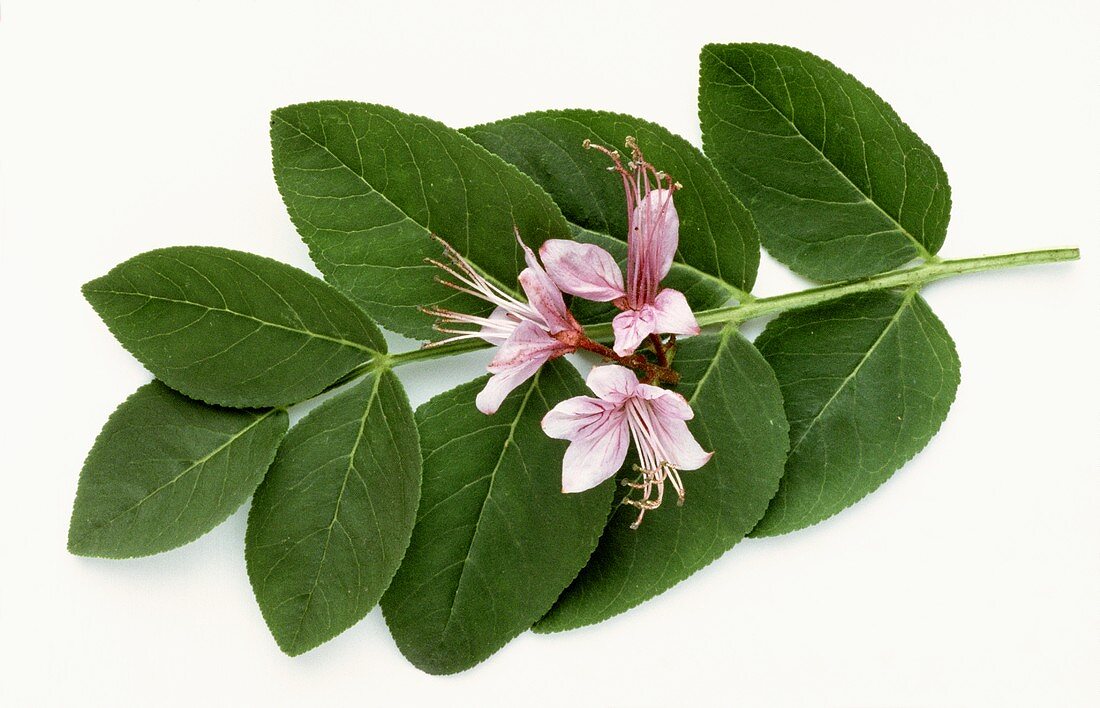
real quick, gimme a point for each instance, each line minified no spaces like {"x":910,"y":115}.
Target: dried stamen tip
{"x":651,"y":485}
{"x":587,"y":144}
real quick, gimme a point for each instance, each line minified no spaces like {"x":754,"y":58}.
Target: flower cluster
{"x":530,"y":333}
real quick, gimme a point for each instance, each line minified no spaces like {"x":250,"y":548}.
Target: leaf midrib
{"x":309,"y":333}
{"x":197,"y":463}
{"x":485,"y":502}
{"x":336,"y":509}
{"x":921,"y":249}
{"x":863,"y":360}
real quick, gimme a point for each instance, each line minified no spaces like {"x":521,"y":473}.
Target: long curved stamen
{"x":656,"y":467}
{"x":495,"y":331}
{"x":469,"y":281}
{"x":476,"y":285}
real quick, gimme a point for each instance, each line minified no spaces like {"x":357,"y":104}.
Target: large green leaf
{"x":165,"y":470}
{"x":738,"y":415}
{"x":366,"y":184}
{"x":233,"y":328}
{"x":839,"y":186}
{"x":866,"y":381}
{"x":331,"y":522}
{"x":717,"y":235}
{"x":496,"y":541}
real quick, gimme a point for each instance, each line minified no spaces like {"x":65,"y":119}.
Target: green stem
{"x":916,"y":276}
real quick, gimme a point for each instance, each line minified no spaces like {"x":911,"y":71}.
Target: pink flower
{"x":529,"y":334}
{"x":590,"y":272}
{"x":600,"y":430}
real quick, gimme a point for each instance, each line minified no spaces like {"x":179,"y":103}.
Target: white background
{"x":971,"y":578}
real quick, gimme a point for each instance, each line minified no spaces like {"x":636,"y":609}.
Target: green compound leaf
{"x":233,"y":328}
{"x":165,"y":470}
{"x":331,"y":522}
{"x":496,"y":541}
{"x":702,"y":291}
{"x":839,"y":186}
{"x":738,"y":415}
{"x":717,"y":235}
{"x":365,"y":185}
{"x":866,"y":381}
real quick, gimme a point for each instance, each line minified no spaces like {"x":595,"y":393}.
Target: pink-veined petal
{"x":677,"y":442}
{"x":545,"y":297}
{"x":655,"y":228}
{"x":666,"y":403}
{"x":612,"y":383}
{"x":502,"y":383}
{"x":599,"y":440}
{"x":517,"y":360}
{"x":568,"y":419}
{"x":672,"y":314}
{"x":583,"y":269}
{"x":631,"y":327}
{"x":589,"y":461}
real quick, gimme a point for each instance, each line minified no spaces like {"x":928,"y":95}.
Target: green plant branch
{"x":916,"y":276}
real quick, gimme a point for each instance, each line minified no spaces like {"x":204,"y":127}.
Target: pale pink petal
{"x":589,"y":461}
{"x":501,"y":327}
{"x":568,"y":419}
{"x":612,"y":383}
{"x":677,"y":443}
{"x":665,"y":403}
{"x":517,"y":360}
{"x":599,"y":440}
{"x":672,"y":314}
{"x":545,"y":297}
{"x":655,"y":231}
{"x":583,"y":269}
{"x":631,"y":327}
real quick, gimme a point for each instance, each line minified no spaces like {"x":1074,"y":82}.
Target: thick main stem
{"x":908,"y":277}
{"x":916,"y":276}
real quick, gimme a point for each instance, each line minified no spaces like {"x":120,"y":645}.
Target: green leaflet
{"x":866,"y":381}
{"x":496,"y":541}
{"x":739,"y":415}
{"x":717,"y":235}
{"x":702,"y":291}
{"x":366,"y":184}
{"x":331,"y":522}
{"x":839,"y":186}
{"x":167,"y":469}
{"x":233,"y":328}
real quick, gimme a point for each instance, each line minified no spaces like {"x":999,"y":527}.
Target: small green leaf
{"x":331,"y":522}
{"x":165,"y":470}
{"x":496,"y":541}
{"x":233,"y":328}
{"x":738,"y":415}
{"x":366,"y":184}
{"x":839,"y":186}
{"x":717,"y":235}
{"x":703,"y":292}
{"x":866,"y":381}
